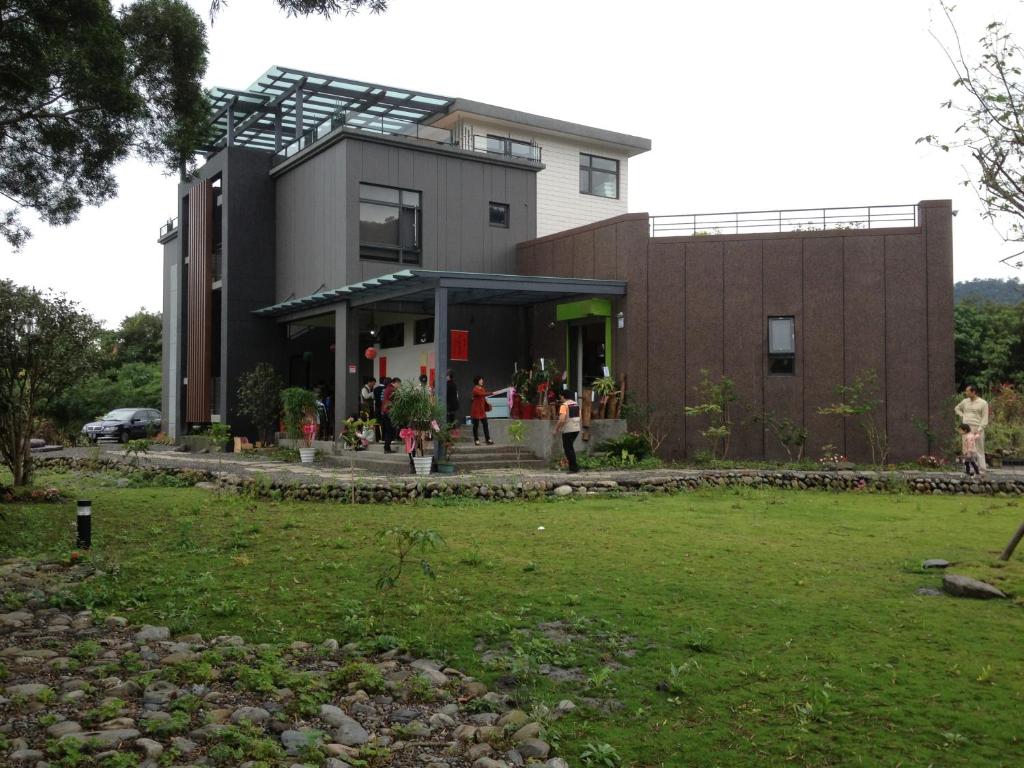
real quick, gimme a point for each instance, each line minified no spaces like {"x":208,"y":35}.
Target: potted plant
{"x":525,"y":383}
{"x":418,"y":413}
{"x":605,"y":387}
{"x":449,"y":437}
{"x":299,"y":407}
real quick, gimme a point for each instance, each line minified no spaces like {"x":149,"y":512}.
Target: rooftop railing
{"x":516,"y":150}
{"x":367,"y":122}
{"x":167,"y":227}
{"x":791,"y":220}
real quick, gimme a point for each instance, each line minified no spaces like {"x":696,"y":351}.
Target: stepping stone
{"x":965,"y":586}
{"x":935,"y":563}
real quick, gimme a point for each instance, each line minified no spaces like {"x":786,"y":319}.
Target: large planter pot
{"x":528,"y":410}
{"x":445,"y":468}
{"x":422,"y":464}
{"x":306,"y":455}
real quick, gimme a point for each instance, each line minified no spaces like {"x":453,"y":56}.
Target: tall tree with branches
{"x":46,"y":346}
{"x":81,"y":88}
{"x":989,"y":102}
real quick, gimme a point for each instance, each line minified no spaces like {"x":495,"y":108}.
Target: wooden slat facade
{"x":198,"y":351}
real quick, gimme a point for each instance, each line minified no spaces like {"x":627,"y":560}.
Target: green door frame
{"x":580,"y":310}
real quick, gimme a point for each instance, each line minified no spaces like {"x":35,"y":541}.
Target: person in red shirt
{"x":478,"y":410}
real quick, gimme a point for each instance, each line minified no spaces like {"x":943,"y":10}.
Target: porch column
{"x":345,"y":389}
{"x":440,"y":354}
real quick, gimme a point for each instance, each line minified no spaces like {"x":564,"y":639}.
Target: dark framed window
{"x":423,"y":331}
{"x":599,"y":176}
{"x":389,"y":224}
{"x":782,"y":345}
{"x":497,"y":214}
{"x":392,"y":335}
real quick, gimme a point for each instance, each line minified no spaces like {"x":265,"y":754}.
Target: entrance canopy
{"x":421,"y":286}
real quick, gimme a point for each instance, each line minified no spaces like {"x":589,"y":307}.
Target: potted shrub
{"x":415,"y":410}
{"x":299,"y":407}
{"x":606,"y":388}
{"x":525,"y":383}
{"x":449,"y":437}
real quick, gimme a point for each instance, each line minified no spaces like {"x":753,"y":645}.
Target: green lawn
{"x":769,"y":628}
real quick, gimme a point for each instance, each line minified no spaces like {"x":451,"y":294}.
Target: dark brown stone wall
{"x":864,"y":300}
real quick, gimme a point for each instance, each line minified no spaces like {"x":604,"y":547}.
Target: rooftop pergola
{"x":285,"y":103}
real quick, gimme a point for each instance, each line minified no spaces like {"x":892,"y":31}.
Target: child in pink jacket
{"x":969,"y":443}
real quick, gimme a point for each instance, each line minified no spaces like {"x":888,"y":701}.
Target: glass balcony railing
{"x":509,"y":148}
{"x":366,"y":122}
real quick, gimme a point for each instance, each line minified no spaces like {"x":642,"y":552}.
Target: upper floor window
{"x":599,"y":176}
{"x":389,"y":224}
{"x":497,"y":214}
{"x":781,"y":345}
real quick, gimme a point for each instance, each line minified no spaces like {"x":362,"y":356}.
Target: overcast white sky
{"x":749,"y":105}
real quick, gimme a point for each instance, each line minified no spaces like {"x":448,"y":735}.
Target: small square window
{"x":498,"y":214}
{"x":782,"y":345}
{"x":423,"y":331}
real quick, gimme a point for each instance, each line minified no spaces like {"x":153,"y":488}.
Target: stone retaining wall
{"x":535,"y":487}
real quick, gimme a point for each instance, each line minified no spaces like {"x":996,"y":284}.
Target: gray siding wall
{"x":317,"y":205}
{"x":171,"y":336}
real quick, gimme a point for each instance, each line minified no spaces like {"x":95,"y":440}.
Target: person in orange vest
{"x":569,"y":425}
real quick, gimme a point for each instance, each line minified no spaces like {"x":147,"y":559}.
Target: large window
{"x":423,"y":331}
{"x":599,"y":176}
{"x":389,"y":224}
{"x":781,"y":345}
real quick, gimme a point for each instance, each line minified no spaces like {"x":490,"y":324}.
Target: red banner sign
{"x":459,"y":346}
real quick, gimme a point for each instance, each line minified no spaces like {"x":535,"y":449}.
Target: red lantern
{"x":370,"y":353}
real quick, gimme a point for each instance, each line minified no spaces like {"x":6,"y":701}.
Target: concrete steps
{"x":467,"y":458}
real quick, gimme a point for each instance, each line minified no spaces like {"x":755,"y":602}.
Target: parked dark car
{"x":124,"y":424}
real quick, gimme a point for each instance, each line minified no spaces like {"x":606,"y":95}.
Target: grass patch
{"x":734,"y":627}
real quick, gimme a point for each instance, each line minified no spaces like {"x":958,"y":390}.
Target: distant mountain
{"x":989,"y":289}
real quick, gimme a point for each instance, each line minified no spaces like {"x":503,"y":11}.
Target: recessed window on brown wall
{"x":782,"y":345}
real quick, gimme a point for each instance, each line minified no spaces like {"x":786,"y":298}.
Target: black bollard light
{"x":84,"y":524}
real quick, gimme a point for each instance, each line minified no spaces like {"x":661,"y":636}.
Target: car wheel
{"x":123,"y":437}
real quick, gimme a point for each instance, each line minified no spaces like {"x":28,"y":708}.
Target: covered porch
{"x":428,"y":322}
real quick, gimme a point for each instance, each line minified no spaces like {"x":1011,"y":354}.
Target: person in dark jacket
{"x":385,"y":412}
{"x":452,"y":399}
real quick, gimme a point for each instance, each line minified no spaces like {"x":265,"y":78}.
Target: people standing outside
{"x":385,"y":411}
{"x":378,"y":397}
{"x":478,"y":411}
{"x":973,"y":411}
{"x":569,"y":425}
{"x":451,"y":399}
{"x":969,"y":451}
{"x":366,"y":404}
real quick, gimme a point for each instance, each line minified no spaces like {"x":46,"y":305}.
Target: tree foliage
{"x":859,"y":401}
{"x":46,"y":346}
{"x":137,"y":340}
{"x":989,"y":341}
{"x":989,"y":289}
{"x":259,"y":398}
{"x":325,"y":8}
{"x":82,"y":87}
{"x":989,"y":102}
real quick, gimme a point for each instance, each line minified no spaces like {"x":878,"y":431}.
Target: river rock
{"x":965,"y":586}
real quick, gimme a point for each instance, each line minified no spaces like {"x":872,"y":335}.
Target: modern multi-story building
{"x":334,"y":216}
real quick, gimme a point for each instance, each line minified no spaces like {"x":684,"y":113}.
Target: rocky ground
{"x":77,"y":690}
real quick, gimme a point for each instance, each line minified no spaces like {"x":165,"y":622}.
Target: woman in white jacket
{"x":973,"y":411}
